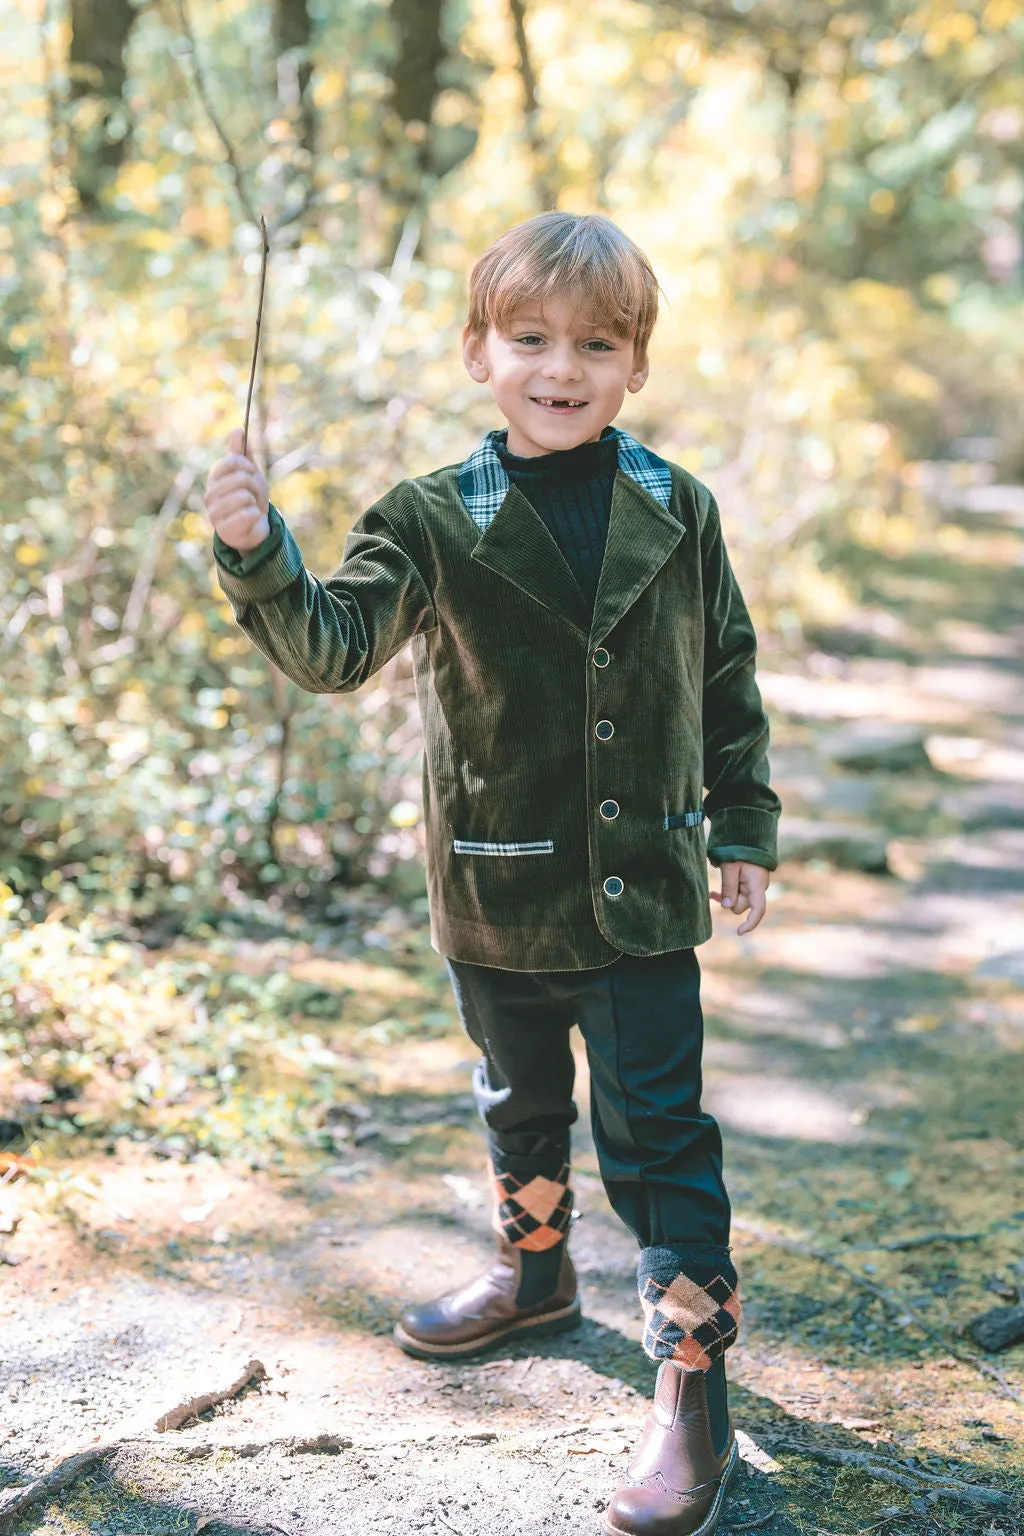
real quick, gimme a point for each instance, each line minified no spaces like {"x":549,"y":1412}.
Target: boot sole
{"x":550,"y":1323}
{"x":714,"y":1514}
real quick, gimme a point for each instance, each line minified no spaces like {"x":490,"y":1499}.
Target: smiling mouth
{"x":552,"y":400}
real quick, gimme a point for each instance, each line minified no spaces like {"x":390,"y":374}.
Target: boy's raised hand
{"x":744,"y":888}
{"x":237,"y":499}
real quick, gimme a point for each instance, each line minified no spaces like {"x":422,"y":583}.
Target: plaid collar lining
{"x":484,"y":483}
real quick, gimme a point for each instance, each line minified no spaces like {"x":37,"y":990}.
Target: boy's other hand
{"x":744,"y":889}
{"x":237,"y":499}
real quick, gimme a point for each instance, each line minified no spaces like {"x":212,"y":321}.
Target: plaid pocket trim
{"x":503,"y":850}
{"x":685,"y":819}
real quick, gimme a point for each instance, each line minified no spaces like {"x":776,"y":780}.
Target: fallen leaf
{"x":602,"y":1445}
{"x":856,"y":1423}
{"x":463,"y":1189}
{"x":755,"y":1455}
{"x":917,"y":1024}
{"x":196,"y":1213}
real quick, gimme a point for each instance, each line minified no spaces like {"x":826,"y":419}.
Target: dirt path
{"x":863,"y":1056}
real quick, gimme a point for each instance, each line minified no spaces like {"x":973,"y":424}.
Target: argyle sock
{"x":691,"y":1305}
{"x":532,"y":1211}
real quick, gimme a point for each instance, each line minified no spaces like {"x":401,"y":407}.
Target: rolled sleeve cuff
{"x":744,"y":834}
{"x":261,"y":573}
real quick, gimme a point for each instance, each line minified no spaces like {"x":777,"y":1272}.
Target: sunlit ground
{"x":309,"y":1160}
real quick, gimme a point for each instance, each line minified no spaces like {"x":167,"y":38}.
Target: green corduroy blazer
{"x":571,"y":758}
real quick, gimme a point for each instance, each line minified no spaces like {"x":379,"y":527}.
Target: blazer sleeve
{"x":330,"y":635}
{"x":743,"y":808}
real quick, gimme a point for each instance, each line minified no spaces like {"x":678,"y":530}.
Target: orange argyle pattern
{"x":533,"y":1213}
{"x":689,"y":1317}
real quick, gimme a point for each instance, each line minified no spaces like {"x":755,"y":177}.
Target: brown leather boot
{"x":477,"y":1315}
{"x":676,"y":1484}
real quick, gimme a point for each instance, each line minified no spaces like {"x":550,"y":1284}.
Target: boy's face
{"x":559,"y":377}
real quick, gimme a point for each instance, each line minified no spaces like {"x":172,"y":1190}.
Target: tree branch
{"x":218,"y":127}
{"x":892,"y":1299}
{"x":391,"y":289}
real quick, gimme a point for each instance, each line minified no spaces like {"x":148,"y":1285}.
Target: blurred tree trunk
{"x":414,"y":89}
{"x":419,"y":151}
{"x":293,"y":32}
{"x":787,"y":64}
{"x":414,"y":74}
{"x":540,"y":158}
{"x":284,"y":707}
{"x":98,"y":121}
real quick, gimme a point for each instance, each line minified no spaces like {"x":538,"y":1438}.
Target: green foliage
{"x":831,"y":199}
{"x":191,"y":1053}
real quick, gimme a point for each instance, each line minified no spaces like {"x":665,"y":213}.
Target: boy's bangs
{"x":601,"y":296}
{"x":584,"y":257}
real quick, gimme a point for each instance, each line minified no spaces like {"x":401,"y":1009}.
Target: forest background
{"x":831,"y":195}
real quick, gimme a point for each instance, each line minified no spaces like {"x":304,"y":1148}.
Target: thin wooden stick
{"x":256,"y":342}
{"x":253,"y":1374}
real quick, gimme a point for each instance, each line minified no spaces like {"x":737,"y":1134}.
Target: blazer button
{"x":601,"y":657}
{"x":604,"y":730}
{"x":613,"y":886}
{"x":609,"y":809}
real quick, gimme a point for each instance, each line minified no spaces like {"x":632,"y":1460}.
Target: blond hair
{"x":583,"y":255}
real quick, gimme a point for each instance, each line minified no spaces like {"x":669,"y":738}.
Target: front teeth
{"x":575,"y":403}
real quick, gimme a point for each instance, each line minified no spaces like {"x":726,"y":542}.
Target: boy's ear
{"x":638,"y":378}
{"x":473,"y":355}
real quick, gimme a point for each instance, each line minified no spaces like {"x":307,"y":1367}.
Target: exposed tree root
{"x":892,"y":1299}
{"x":908,"y":1478}
{"x":923,"y":1240}
{"x":15,"y":1502}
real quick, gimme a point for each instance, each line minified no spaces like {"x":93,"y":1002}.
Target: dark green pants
{"x":659,"y":1154}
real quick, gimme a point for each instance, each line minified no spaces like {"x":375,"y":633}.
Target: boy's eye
{"x":596,"y":345}
{"x":530,"y":339}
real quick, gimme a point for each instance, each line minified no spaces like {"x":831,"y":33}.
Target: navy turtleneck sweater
{"x":571,"y":491}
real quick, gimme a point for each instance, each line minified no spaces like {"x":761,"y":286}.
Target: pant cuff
{"x":691,"y":1305}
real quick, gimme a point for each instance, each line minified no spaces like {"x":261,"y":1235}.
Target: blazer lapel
{"x":517,"y":545}
{"x":642,"y":534}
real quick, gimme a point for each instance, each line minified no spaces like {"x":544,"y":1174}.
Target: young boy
{"x":585,"y":671}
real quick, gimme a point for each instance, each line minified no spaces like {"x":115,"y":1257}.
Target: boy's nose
{"x":562,"y":364}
